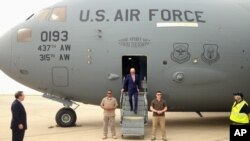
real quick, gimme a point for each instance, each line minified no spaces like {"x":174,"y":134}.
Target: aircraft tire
{"x":66,"y":117}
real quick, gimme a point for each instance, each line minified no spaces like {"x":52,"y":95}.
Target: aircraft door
{"x":137,"y":62}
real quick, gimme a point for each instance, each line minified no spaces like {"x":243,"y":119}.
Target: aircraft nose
{"x":5,"y":52}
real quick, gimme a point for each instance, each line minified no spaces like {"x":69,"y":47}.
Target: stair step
{"x":140,"y":93}
{"x":139,"y":108}
{"x":140,"y":103}
{"x":127,"y":99}
{"x":133,"y":131}
{"x":139,"y":96}
{"x":133,"y":122}
{"x":131,"y":113}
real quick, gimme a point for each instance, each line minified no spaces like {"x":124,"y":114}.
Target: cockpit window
{"x":58,"y":14}
{"x":24,"y":35}
{"x":43,"y":14}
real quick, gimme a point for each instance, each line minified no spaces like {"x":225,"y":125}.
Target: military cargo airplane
{"x":197,"y":52}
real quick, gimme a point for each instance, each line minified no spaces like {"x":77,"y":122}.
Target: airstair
{"x":133,"y":124}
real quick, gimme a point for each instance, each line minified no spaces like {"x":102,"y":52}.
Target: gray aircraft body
{"x":196,"y":52}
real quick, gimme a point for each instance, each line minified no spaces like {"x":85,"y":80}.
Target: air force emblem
{"x":210,"y":53}
{"x":180,"y":53}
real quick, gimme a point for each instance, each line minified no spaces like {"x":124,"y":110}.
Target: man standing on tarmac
{"x":19,"y":119}
{"x":158,"y":107}
{"x":240,"y":113}
{"x":109,"y":104}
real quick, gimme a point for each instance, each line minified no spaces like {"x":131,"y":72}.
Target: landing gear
{"x":66,"y":117}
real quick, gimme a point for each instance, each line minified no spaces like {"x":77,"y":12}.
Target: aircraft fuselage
{"x":195,"y":52}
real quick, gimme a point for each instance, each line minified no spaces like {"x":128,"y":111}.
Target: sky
{"x":13,"y":12}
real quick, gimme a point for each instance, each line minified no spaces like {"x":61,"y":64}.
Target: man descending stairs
{"x":133,"y":123}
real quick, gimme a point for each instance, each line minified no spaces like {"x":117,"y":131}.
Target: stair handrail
{"x":121,"y":100}
{"x":145,"y":99}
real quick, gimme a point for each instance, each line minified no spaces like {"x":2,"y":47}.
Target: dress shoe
{"x":164,"y":139}
{"x":114,"y":137}
{"x":104,"y":137}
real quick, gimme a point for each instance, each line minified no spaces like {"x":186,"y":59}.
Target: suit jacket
{"x":130,"y":85}
{"x":18,"y":115}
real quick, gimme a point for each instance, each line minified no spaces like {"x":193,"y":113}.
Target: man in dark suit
{"x":19,"y":120}
{"x":132,"y":85}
